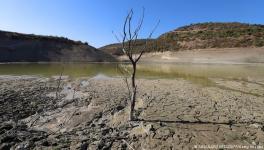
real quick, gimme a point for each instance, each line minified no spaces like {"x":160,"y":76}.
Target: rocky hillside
{"x":16,"y":47}
{"x":116,"y":48}
{"x":204,"y":35}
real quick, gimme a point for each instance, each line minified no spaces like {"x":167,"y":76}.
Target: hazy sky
{"x":94,"y":20}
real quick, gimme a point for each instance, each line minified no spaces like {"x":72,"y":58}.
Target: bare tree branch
{"x":136,"y":32}
{"x":59,"y":83}
{"x":125,"y":34}
{"x":149,"y":37}
{"x":129,"y":48}
{"x":116,"y":37}
{"x":141,"y":53}
{"x":124,"y":72}
{"x":153,"y":30}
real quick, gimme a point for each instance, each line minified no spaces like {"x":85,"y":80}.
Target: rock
{"x":5,"y":126}
{"x":105,"y":131}
{"x":119,"y":107}
{"x":24,"y":145}
{"x":256,"y":125}
{"x":84,"y":83}
{"x":163,"y":133}
{"x":149,"y":127}
{"x":8,"y":139}
{"x":45,"y":143}
{"x":84,"y":146}
{"x":5,"y":146}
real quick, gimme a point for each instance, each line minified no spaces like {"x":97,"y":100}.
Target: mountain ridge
{"x":18,"y":47}
{"x":203,"y":36}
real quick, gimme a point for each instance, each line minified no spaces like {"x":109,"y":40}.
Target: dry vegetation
{"x":203,"y":35}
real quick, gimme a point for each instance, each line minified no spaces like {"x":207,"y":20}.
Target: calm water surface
{"x":150,"y":70}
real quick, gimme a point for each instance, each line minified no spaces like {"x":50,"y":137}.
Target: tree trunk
{"x":134,"y":91}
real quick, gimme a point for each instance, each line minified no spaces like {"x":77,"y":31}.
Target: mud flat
{"x":92,"y":113}
{"x":211,"y":56}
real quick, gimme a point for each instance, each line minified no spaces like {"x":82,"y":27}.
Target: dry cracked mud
{"x":92,"y":113}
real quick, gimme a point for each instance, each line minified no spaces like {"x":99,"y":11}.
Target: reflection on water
{"x":200,"y":73}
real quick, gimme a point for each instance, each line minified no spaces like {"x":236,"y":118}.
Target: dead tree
{"x":133,"y":51}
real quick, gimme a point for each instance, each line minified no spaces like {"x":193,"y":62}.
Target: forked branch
{"x":134,"y":53}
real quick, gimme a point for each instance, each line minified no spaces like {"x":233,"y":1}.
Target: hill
{"x":116,"y":48}
{"x":17,"y":47}
{"x":203,"y":36}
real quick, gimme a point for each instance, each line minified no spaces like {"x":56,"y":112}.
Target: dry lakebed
{"x":40,"y":112}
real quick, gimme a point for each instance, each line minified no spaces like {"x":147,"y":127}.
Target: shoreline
{"x":206,"y":56}
{"x":195,"y":56}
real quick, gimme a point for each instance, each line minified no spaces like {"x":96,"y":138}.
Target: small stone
{"x":163,"y":133}
{"x":45,"y":143}
{"x":84,"y":146}
{"x":256,"y":125}
{"x":5,"y":146}
{"x":105,"y":131}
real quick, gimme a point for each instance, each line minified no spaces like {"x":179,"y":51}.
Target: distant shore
{"x":213,"y":55}
{"x":197,"y":56}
